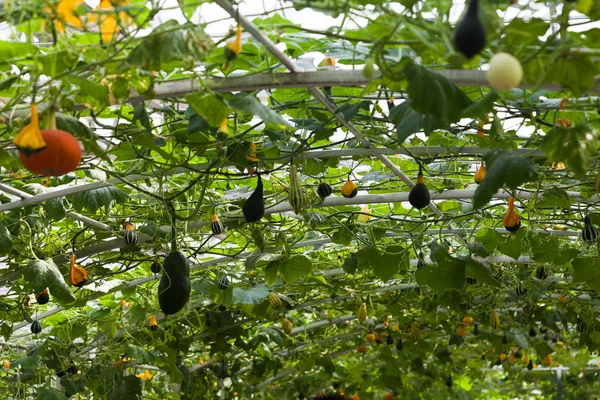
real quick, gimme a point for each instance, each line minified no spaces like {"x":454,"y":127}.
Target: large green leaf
{"x":128,"y":388}
{"x":95,"y":199}
{"x":295,"y":268}
{"x":48,"y":393}
{"x":250,"y":295}
{"x":384,"y":265}
{"x":249,"y":104}
{"x":42,"y":274}
{"x":481,"y":273}
{"x":450,"y":273}
{"x":574,"y":145}
{"x":433,"y":94}
{"x":138,"y":353}
{"x":6,"y":242}
{"x":574,"y":73}
{"x":210,"y":107}
{"x":587,"y":270}
{"x":503,"y":169}
{"x":408,"y":121}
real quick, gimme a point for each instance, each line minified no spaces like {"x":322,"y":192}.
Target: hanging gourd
{"x":419,"y":196}
{"x":399,"y":344}
{"x":216,"y":225}
{"x":152,"y":324}
{"x":389,"y":340}
{"x":494,"y":319}
{"x":362,"y":313}
{"x":223,"y":283}
{"x":43,"y":297}
{"x":512,"y":221}
{"x":541,"y":273}
{"x":415,"y":332}
{"x":532,"y":332}
{"x":521,"y":290}
{"x":130,"y":237}
{"x":480,"y":174}
{"x":286,"y":326}
{"x":233,"y":48}
{"x":505,"y":72}
{"x":36,"y":327}
{"x":275,"y":301}
{"x":77,"y":275}
{"x":324,"y":190}
{"x":349,"y":189}
{"x":156,"y":266}
{"x":295,"y":193}
{"x":254,"y":206}
{"x":174,"y":288}
{"x":581,"y":326}
{"x":470,"y":36}
{"x":589,"y":234}
{"x":208,"y":321}
{"x":51,"y":152}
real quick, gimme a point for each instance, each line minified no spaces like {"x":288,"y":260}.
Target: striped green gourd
{"x":295,"y":193}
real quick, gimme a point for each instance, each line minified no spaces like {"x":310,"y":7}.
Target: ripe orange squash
{"x":61,"y":155}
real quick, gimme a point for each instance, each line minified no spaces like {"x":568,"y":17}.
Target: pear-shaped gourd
{"x":223,"y":283}
{"x":324,"y":190}
{"x":36,"y":327}
{"x":254,"y":206}
{"x":469,"y":36}
{"x":43,"y":297}
{"x":419,"y":196}
{"x":589,"y":234}
{"x":174,"y":287}
{"x":581,"y":326}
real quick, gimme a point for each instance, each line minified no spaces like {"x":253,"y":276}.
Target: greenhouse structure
{"x":299,"y":199}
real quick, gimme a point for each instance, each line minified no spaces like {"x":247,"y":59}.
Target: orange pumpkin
{"x":61,"y":155}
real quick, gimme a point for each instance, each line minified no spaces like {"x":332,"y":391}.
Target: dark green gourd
{"x":254,"y":206}
{"x":174,"y":287}
{"x":419,"y":196}
{"x":589,"y":234}
{"x":469,"y":36}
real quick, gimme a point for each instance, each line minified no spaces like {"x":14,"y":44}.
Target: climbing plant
{"x":218,"y":200}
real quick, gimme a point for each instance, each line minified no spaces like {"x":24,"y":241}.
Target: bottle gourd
{"x":254,"y":206}
{"x":469,"y":36}
{"x":589,"y":234}
{"x":174,"y":287}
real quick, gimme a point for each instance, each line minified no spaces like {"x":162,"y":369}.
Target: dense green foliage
{"x":174,"y":148}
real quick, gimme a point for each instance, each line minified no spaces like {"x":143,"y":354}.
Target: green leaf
{"x":42,"y":274}
{"x":165,"y":45}
{"x":555,"y":198}
{"x":250,"y":296}
{"x":574,"y":145}
{"x":271,"y":272}
{"x":138,"y":353}
{"x":544,"y":248}
{"x":433,"y":94}
{"x":128,"y":388}
{"x":408,"y":121}
{"x":574,"y":73}
{"x":6,"y":242}
{"x":489,"y":238}
{"x":47,"y":393}
{"x":351,"y":264}
{"x":587,"y":270}
{"x":249,"y":104}
{"x":210,"y":107}
{"x":95,"y":199}
{"x":503,"y":169}
{"x":482,"y":107}
{"x":542,"y":349}
{"x":6,"y":83}
{"x":450,"y":273}
{"x":515,"y":245}
{"x":90,"y":90}
{"x":295,"y":268}
{"x":521,"y":32}
{"x":481,"y":273}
